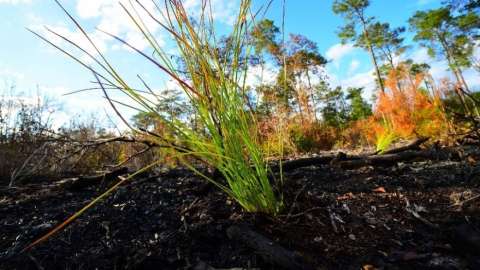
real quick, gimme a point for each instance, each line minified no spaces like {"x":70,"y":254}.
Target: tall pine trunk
{"x":456,"y":72}
{"x":372,"y":55}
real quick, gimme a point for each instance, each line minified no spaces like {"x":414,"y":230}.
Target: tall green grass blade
{"x":215,"y":87}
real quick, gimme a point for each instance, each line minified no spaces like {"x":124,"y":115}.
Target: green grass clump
{"x":214,"y":82}
{"x":385,"y":137}
{"x":215,"y":85}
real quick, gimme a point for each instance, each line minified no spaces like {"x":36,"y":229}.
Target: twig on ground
{"x":23,"y":171}
{"x":304,"y":212}
{"x":78,"y":183}
{"x":189,"y":207}
{"x":411,"y":209}
{"x":295,"y":201}
{"x":465,"y":201}
{"x":35,"y":261}
{"x":138,"y":153}
{"x":333,"y":217}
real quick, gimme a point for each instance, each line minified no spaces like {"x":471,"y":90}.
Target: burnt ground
{"x":414,"y":215}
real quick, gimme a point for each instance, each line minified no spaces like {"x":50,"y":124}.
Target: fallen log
{"x":414,"y":145}
{"x":386,"y":159}
{"x":342,"y":158}
{"x":303,"y":162}
{"x":345,"y":161}
{"x":79,"y":183}
{"x":270,"y":251}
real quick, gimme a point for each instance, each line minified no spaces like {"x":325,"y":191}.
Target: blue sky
{"x":29,"y":63}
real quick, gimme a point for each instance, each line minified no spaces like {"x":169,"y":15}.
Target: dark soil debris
{"x":416,"y":215}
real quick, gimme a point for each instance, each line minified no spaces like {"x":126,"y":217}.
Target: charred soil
{"x":412,"y":215}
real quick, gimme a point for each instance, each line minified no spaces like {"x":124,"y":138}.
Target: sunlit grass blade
{"x":215,"y":88}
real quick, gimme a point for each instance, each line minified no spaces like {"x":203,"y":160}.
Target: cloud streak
{"x":338,"y":51}
{"x":15,"y":2}
{"x":425,"y":2}
{"x":354,"y":65}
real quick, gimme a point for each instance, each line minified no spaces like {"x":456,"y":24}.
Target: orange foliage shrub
{"x":404,"y":111}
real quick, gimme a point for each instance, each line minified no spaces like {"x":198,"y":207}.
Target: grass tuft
{"x":214,"y":83}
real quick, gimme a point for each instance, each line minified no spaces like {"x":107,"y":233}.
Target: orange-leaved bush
{"x":405,"y":110}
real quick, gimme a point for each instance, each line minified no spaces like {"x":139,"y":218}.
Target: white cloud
{"x":473,"y":79}
{"x":82,"y":107}
{"x":364,"y":79}
{"x":473,"y":76}
{"x":90,"y":9}
{"x":354,"y":65}
{"x":114,"y":20}
{"x":106,"y":15}
{"x":14,"y":2}
{"x":425,"y":2}
{"x":256,"y":75}
{"x":109,"y":16}
{"x":76,"y":36}
{"x":420,"y":55}
{"x":439,"y":67}
{"x":222,"y":11}
{"x":18,"y":101}
{"x":9,"y":74}
{"x":338,"y":51}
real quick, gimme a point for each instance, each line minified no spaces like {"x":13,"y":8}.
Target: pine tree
{"x":353,"y":12}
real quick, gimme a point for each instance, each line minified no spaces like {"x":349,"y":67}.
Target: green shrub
{"x":313,"y":137}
